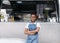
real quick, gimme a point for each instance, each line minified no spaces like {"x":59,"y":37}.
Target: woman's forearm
{"x":28,"y":32}
{"x":34,"y":31}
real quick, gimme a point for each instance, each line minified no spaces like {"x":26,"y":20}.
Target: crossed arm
{"x":26,"y":31}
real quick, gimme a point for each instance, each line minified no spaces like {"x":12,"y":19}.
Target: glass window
{"x":20,"y":11}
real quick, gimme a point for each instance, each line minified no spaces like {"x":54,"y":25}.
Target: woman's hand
{"x":26,"y":31}
{"x":31,"y":33}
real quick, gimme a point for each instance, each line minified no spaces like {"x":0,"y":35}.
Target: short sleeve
{"x":27,"y":25}
{"x":38,"y":24}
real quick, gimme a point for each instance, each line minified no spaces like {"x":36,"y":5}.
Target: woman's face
{"x":33,"y":18}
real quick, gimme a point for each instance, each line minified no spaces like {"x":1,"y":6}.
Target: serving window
{"x":20,"y":11}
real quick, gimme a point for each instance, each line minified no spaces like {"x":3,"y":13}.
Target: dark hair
{"x":35,"y":15}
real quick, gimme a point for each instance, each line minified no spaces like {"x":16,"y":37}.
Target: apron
{"x":32,"y":38}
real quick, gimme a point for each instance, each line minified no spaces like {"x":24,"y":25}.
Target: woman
{"x":31,"y":29}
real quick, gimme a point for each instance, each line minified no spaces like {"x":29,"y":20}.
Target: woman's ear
{"x":36,"y":17}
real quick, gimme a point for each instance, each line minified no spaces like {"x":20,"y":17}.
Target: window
{"x":20,"y":11}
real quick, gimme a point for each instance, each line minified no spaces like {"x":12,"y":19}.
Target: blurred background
{"x":20,"y":10}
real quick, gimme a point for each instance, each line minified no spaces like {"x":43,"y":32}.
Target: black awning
{"x":31,"y":0}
